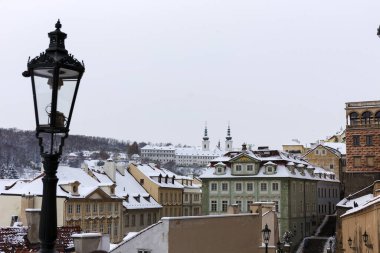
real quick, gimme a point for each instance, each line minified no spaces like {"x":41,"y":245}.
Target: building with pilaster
{"x":363,"y":145}
{"x":264,"y":175}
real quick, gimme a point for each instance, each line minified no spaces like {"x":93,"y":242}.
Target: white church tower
{"x":228,"y":139}
{"x":206,"y":141}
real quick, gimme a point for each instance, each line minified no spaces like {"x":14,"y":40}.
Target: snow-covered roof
{"x":350,"y":203}
{"x":196,"y":151}
{"x":153,"y":174}
{"x":151,"y":147}
{"x":66,"y":175}
{"x":266,"y":157}
{"x":126,"y":185}
{"x":341,"y":147}
{"x":368,"y":203}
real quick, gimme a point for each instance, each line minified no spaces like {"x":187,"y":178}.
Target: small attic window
{"x":147,"y":198}
{"x":75,"y":188}
{"x":141,"y":181}
{"x":127,"y":198}
{"x":270,"y":169}
{"x":220,"y":170}
{"x":137,"y":198}
{"x":112,"y":190}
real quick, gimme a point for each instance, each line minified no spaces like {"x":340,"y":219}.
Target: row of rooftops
{"x":186,"y":151}
{"x":285,"y":166}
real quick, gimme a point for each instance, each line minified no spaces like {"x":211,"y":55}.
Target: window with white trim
{"x":263,"y":187}
{"x":250,"y":167}
{"x":224,"y":205}
{"x":214,"y":206}
{"x":214,"y":187}
{"x":238,"y":167}
{"x":275,"y":187}
{"x":238,"y":187}
{"x":249,"y":187}
{"x":224,"y":186}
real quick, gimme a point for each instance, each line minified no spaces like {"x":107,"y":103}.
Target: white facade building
{"x":188,"y":156}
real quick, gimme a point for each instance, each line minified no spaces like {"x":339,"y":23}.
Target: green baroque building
{"x":294,"y":185}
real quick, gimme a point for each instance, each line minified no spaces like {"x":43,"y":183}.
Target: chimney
{"x":173,"y":178}
{"x":121,"y":168}
{"x":233,"y":209}
{"x":33,"y":222}
{"x":91,"y":242}
{"x":110,"y":169}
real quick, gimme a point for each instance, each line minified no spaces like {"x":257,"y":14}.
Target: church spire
{"x":205,"y":137}
{"x":205,"y":142}
{"x":228,"y":137}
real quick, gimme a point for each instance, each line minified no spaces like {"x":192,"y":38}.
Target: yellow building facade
{"x":360,"y":226}
{"x":164,"y":189}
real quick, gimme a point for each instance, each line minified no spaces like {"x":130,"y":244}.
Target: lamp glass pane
{"x":44,"y":91}
{"x":66,"y":87}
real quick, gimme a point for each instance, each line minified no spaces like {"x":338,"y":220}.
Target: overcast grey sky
{"x":156,"y":70}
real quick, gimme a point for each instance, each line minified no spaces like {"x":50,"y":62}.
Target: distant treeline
{"x":19,"y":148}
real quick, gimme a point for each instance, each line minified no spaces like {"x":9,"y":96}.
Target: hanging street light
{"x":55,"y":75}
{"x":266,"y":235}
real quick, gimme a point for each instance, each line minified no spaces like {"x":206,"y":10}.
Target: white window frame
{"x":225,"y":183}
{"x":241,"y":186}
{"x":250,"y":165}
{"x":213,"y":183}
{"x":216,"y":205}
{"x":278,"y":187}
{"x":266,"y":184}
{"x":224,"y":200}
{"x":238,"y":166}
{"x":253,"y":187}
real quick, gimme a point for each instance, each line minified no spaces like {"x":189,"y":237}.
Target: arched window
{"x":377,"y":117}
{"x":366,"y":118}
{"x":354,"y":117}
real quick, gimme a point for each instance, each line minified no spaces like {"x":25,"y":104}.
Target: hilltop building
{"x":187,"y":156}
{"x":302,"y":193}
{"x":363,"y":145}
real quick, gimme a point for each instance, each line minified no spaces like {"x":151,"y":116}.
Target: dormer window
{"x":75,"y":188}
{"x":220,"y":168}
{"x":270,"y":168}
{"x":250,"y":167}
{"x":160,"y":178}
{"x":238,"y":168}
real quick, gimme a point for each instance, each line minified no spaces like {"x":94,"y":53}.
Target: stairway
{"x":318,"y":242}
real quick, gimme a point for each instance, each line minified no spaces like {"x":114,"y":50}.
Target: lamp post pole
{"x":55,"y":76}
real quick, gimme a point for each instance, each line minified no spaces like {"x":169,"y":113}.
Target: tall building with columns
{"x":363,"y":145}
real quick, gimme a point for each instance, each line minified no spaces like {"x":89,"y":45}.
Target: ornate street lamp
{"x":55,"y":76}
{"x":330,"y":248}
{"x":279,"y":247}
{"x":266,"y":235}
{"x":365,"y":237}
{"x":350,"y":242}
